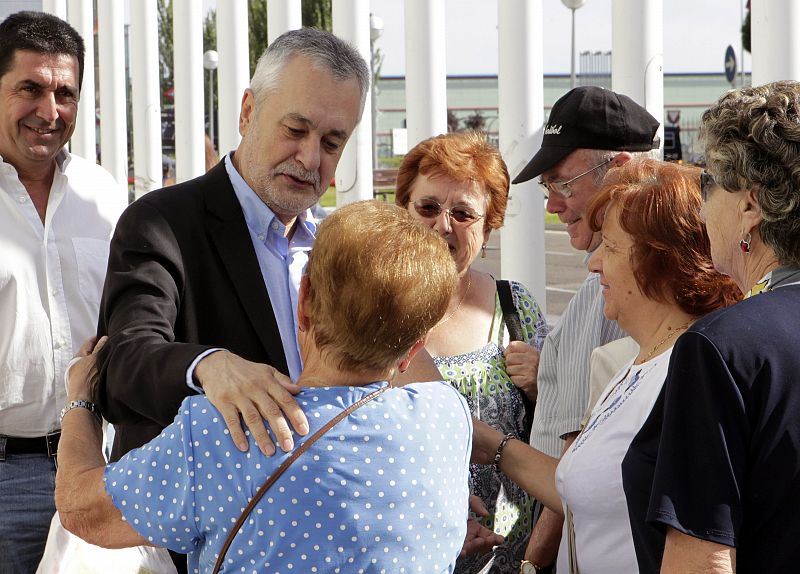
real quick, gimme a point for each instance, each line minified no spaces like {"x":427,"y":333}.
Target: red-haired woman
{"x":457,"y":184}
{"x":657,"y":276}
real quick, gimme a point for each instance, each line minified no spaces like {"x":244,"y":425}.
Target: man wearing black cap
{"x":590,"y":130}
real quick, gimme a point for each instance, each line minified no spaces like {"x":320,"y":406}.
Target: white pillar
{"x":426,"y":71}
{"x":233,"y":71}
{"x":282,"y":16}
{"x":84,"y":139}
{"x":774,"y":40}
{"x":145,"y":95}
{"x":354,"y":172}
{"x":637,"y":54}
{"x":188,"y":67}
{"x":521,"y":117}
{"x":113,"y":116}
{"x":55,"y":7}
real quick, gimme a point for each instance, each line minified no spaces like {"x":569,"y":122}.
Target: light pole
{"x":572,"y":5}
{"x":210,"y":60}
{"x":375,"y":32}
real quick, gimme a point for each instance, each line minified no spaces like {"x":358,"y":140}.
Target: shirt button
{"x":22,"y":198}
{"x":57,"y":344}
{"x":54,"y":292}
{"x":261,"y":237}
{"x":275,"y":225}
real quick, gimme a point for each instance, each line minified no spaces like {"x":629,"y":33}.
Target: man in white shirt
{"x":57,"y":214}
{"x":589,"y":131}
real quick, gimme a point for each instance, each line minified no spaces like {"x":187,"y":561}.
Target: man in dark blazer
{"x":193,"y":299}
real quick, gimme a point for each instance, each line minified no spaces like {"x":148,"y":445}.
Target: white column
{"x":55,"y":7}
{"x":521,"y":117}
{"x":426,"y":71}
{"x":84,"y":139}
{"x":145,"y":95}
{"x":113,"y":116}
{"x":188,"y":67}
{"x":233,"y":71}
{"x":282,"y":16}
{"x":354,"y":172}
{"x":637,"y":54}
{"x":774,"y":40}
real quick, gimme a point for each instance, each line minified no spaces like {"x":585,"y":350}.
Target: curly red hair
{"x":659,"y":207}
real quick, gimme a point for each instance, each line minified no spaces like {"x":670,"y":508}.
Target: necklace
{"x":669,"y":335}
{"x":460,"y":301}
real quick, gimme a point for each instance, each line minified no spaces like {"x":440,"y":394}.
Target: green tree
{"x":165,"y":51}
{"x":746,"y":32}
{"x":317,"y":14}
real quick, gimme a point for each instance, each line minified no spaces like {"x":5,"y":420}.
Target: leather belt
{"x":47,"y":444}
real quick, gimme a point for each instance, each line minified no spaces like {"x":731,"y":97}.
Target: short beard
{"x":293,"y":205}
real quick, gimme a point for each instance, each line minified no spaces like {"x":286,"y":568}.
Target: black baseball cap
{"x":591,"y":117}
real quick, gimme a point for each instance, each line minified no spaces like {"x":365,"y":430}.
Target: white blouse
{"x":589,"y":476}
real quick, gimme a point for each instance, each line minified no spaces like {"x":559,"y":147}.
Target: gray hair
{"x":752,"y":141}
{"x":326,"y":51}
{"x":595,"y":157}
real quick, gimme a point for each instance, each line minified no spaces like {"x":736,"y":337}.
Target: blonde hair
{"x":378,"y":282}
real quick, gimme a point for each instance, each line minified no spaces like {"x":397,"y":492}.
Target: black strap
{"x":282,"y":468}
{"x":510,"y":315}
{"x":515,"y":333}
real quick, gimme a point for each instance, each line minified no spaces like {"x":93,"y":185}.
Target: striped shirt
{"x":564,"y":367}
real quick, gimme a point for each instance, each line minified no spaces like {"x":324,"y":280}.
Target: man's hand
{"x":236,"y":386}
{"x":82,"y":372}
{"x":522,"y":365}
{"x":479,"y":539}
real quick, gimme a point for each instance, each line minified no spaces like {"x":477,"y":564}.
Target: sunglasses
{"x":430,"y":209}
{"x":562,"y":187}
{"x":707,"y":181}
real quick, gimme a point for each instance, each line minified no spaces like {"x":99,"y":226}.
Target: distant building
{"x":689,"y":94}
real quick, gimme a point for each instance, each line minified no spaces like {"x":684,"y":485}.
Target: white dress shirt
{"x":51,"y":280}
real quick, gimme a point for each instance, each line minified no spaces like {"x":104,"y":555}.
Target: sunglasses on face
{"x":707,"y":181}
{"x":430,"y":209}
{"x":562,"y":187}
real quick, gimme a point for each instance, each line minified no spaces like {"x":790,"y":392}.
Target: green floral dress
{"x":480,"y":376}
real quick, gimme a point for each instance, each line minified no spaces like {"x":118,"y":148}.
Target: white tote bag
{"x":65,"y":553}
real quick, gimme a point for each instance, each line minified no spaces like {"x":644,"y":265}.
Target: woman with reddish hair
{"x":658,"y":278}
{"x":457,"y":184}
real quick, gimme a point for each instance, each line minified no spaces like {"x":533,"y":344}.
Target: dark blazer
{"x":182,"y":278}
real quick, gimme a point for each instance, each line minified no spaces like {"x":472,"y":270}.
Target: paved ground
{"x":565,"y":268}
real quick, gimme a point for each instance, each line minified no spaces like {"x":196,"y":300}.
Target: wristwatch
{"x":527,"y":567}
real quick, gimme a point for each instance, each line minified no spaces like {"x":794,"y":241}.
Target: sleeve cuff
{"x":190,"y":371}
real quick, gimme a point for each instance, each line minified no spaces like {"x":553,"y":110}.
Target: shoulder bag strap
{"x":282,"y":468}
{"x":514,"y":326}
{"x":573,"y":551}
{"x":510,"y":315}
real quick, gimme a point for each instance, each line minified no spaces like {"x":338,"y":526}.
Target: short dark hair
{"x":659,"y":207}
{"x":38,"y":32}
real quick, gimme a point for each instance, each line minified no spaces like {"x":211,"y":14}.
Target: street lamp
{"x":375,"y":32}
{"x":572,"y":5}
{"x":210,"y":61}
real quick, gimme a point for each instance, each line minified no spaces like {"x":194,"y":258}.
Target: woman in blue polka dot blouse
{"x":385,"y":490}
{"x":457,"y":184}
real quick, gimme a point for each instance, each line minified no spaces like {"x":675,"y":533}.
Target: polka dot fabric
{"x":385,"y":490}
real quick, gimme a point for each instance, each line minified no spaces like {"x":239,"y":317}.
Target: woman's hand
{"x":522,"y":365}
{"x":82,"y":372}
{"x":479,"y":539}
{"x":485,"y":441}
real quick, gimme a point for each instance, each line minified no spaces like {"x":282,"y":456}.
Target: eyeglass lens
{"x":429,"y":208}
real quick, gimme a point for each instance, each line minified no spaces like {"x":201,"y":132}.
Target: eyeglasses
{"x":562,"y":187}
{"x":707,"y":181}
{"x":430,"y":208}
